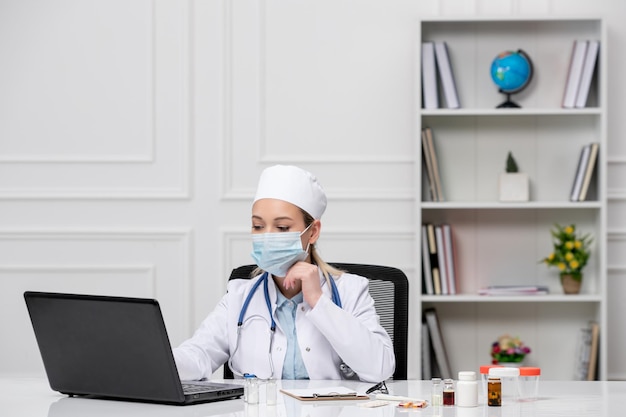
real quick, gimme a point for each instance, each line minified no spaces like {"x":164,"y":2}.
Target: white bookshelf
{"x":502,"y":243}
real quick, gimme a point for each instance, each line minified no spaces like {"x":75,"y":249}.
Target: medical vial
{"x":251,"y":389}
{"x":467,"y":389}
{"x":448,"y":391}
{"x":437,"y":394}
{"x":494,"y":391}
{"x":270,"y":392}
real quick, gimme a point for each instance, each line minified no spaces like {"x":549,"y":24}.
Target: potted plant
{"x":509,"y":350}
{"x":513,"y":184}
{"x":570,"y":255}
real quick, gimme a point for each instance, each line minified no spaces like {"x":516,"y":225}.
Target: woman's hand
{"x":305,"y":276}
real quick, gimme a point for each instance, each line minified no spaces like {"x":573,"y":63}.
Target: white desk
{"x":32,"y":397}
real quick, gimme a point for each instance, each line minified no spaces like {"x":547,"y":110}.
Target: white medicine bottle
{"x":467,"y":389}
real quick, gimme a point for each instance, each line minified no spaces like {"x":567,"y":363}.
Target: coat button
{"x":308,"y":349}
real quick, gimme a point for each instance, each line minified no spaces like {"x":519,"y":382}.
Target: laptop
{"x":112,"y":347}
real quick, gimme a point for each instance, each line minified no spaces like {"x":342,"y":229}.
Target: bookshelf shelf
{"x":511,"y":112}
{"x":501,"y":243}
{"x":475,"y":205}
{"x":469,"y":298}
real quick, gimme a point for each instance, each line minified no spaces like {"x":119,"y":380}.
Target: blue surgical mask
{"x":277,"y":252}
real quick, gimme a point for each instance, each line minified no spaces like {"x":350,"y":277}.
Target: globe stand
{"x":508,"y":104}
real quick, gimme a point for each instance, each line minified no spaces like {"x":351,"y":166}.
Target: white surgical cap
{"x":293,"y":185}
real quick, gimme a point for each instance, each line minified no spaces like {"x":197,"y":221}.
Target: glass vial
{"x":448,"y":391}
{"x":270,"y":392}
{"x":437,"y":394}
{"x":467,"y":389}
{"x":251,"y":389}
{"x":494,"y":391}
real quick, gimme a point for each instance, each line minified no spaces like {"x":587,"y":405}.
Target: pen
{"x":334,"y":395}
{"x":389,"y":397}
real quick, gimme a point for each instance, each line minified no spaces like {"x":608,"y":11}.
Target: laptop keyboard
{"x":195,"y":388}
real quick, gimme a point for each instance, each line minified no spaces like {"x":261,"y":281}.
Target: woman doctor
{"x":298,"y":318}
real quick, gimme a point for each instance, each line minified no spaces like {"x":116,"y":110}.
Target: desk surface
{"x":32,"y":397}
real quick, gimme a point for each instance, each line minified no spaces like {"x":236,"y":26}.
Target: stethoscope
{"x":264,"y":280}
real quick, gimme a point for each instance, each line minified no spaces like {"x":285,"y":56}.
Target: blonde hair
{"x":327,"y":270}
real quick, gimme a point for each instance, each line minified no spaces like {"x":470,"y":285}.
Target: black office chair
{"x":389,"y":287}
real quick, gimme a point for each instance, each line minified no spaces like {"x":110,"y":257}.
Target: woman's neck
{"x":287,"y":292}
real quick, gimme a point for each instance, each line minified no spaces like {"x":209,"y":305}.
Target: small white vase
{"x":514,"y":187}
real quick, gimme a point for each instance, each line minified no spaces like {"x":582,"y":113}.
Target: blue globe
{"x":511,"y":71}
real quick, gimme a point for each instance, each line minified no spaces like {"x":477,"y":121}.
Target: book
{"x":434,"y":260}
{"x":427,"y":271}
{"x":446,"y":76}
{"x":583,"y":348}
{"x":441,"y":258}
{"x":580,"y":173}
{"x":589,"y":169}
{"x":574,"y":74}
{"x":514,"y":290}
{"x":450,"y":257}
{"x":426,"y":348}
{"x":587,"y":352}
{"x":439,"y":347}
{"x":593,"y":351}
{"x":433,"y":158}
{"x":427,"y":154}
{"x":589,"y":66}
{"x":429,"y":76}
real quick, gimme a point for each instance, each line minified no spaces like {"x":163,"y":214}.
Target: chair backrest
{"x":389,"y":287}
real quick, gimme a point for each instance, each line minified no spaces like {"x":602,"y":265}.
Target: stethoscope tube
{"x":264,"y":280}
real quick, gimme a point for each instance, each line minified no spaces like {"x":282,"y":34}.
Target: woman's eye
{"x":257,"y":227}
{"x":283,"y":228}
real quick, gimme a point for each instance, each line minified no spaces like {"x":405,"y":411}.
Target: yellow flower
{"x":562,"y":266}
{"x":569,"y":245}
{"x":569,"y":230}
{"x":573,"y":264}
{"x":569,"y":256}
{"x":578,"y":244}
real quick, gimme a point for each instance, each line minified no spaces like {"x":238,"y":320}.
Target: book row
{"x":580,"y":187}
{"x":435,"y":361}
{"x":438,"y":260}
{"x":437,"y":75}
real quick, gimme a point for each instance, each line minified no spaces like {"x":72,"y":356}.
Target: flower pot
{"x":570,"y":285}
{"x":514,"y":187}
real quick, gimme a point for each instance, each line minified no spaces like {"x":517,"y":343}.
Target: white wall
{"x":132,"y":135}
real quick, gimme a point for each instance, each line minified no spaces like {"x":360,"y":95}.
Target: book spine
{"x":434,"y":261}
{"x":433,"y":158}
{"x":589,"y":168}
{"x":429,"y":76}
{"x":589,"y":66}
{"x":574,"y":74}
{"x":441,"y":256}
{"x":450,"y":258}
{"x":446,"y":75}
{"x":427,"y":271}
{"x":580,"y":173}
{"x":429,"y":166}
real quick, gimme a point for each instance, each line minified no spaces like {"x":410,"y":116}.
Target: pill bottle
{"x":437,"y":392}
{"x":509,"y":377}
{"x":484,"y":374}
{"x":529,"y":383}
{"x":494,"y":391}
{"x":448,"y":391}
{"x":270,"y":392}
{"x":467,"y":389}
{"x":251,"y":389}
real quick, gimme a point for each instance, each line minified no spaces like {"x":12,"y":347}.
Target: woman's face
{"x":277,"y":216}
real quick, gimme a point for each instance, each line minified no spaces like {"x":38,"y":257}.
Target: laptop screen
{"x":104,"y":346}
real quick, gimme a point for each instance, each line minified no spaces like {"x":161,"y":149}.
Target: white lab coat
{"x":327,"y":335}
